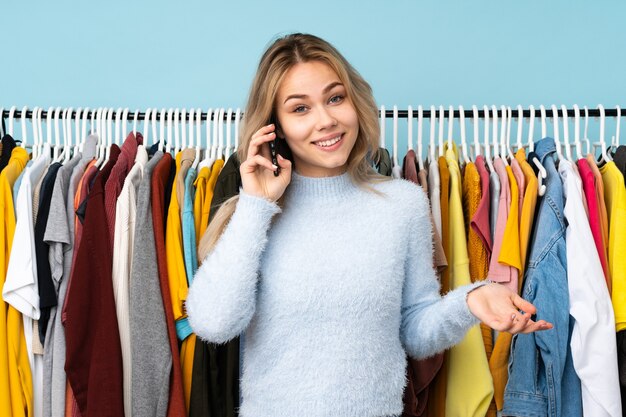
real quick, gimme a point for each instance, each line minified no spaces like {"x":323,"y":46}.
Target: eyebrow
{"x":326,"y":90}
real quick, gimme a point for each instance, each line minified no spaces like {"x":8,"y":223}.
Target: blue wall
{"x":141,"y":54}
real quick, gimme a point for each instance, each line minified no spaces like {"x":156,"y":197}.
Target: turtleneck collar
{"x":321,"y":188}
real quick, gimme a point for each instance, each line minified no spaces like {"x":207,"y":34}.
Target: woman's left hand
{"x":499,"y":308}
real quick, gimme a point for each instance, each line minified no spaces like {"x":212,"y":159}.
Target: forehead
{"x":307,"y":78}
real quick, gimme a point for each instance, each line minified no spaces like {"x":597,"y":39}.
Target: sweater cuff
{"x":466,"y":319}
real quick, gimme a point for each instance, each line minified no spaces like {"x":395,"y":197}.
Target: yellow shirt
{"x":16,"y":383}
{"x":615,"y":198}
{"x":198,"y":202}
{"x":470,"y":387}
{"x":210,"y":188}
{"x":528,"y":208}
{"x":510,"y":252}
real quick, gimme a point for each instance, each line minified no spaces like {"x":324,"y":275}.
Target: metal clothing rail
{"x":403,"y":114}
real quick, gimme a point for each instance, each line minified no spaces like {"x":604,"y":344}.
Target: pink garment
{"x":480,"y":221}
{"x":521,"y":182}
{"x":589,"y":186}
{"x":499,"y":272}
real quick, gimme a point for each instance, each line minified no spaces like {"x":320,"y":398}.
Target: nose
{"x":325,"y":119}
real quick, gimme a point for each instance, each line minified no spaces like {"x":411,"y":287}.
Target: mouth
{"x":331,"y":143}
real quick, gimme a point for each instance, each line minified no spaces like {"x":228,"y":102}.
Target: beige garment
{"x":186,"y":160}
{"x":439,"y":256}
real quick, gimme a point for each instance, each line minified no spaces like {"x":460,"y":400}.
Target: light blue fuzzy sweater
{"x":330,"y":294}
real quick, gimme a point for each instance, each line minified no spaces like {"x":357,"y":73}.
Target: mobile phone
{"x":273,"y":149}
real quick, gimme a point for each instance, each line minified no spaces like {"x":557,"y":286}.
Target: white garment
{"x":434,"y":193}
{"x":21,"y":288}
{"x":593,"y":344}
{"x":125,"y":214}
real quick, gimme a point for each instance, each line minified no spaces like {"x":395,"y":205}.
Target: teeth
{"x":329,"y":142}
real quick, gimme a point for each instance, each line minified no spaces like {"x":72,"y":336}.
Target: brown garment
{"x":420,"y":373}
{"x":159,"y":185}
{"x":186,"y":160}
{"x":94,"y":355}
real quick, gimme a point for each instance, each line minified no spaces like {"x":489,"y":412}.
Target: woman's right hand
{"x":257,"y":171}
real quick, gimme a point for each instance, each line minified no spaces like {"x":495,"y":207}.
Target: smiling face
{"x":317,"y":119}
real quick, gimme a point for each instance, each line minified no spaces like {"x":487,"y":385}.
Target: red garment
{"x":115,"y":182}
{"x":480,"y":222}
{"x":160,"y":177}
{"x":94,"y":356}
{"x":589,"y":186}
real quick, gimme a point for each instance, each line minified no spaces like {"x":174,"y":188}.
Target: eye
{"x":336,"y":99}
{"x":299,"y":109}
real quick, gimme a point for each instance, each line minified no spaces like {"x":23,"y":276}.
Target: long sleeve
{"x":430,"y":323}
{"x":222,"y":297}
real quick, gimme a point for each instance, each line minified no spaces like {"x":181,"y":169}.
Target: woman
{"x":324,"y":264}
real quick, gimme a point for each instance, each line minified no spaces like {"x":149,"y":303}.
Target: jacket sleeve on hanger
{"x":222,"y":297}
{"x":430,"y":323}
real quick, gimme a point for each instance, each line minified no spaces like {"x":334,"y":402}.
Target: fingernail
{"x":513,"y":316}
{"x":280,"y":157}
{"x":275,"y":166}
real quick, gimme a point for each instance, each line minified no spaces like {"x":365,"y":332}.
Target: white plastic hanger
{"x":382,"y":120}
{"x":206,"y":162}
{"x":509,"y":121}
{"x":83,"y":127}
{"x":586,"y":137}
{"x":496,"y":146}
{"x":531,"y":128}
{"x":11,"y":116}
{"x":177,"y":147}
{"x":135,"y":119}
{"x":98,"y":132}
{"x":117,"y":126}
{"x":2,"y":133}
{"x":409,"y":126}
{"x":168,"y":147}
{"x":192,"y":127}
{"x":146,"y":127}
{"x":109,"y":130}
{"x":161,"y":130}
{"x":24,"y":132}
{"x":557,"y":139}
{"x":49,"y":116}
{"x":450,"y":125}
{"x":395,"y":136}
{"x":237,"y":121}
{"x":466,"y":158}
{"x":488,"y":159}
{"x":77,"y":137}
{"x":615,"y":138}
{"x":520,"y":126}
{"x":183,"y":129}
{"x":34,"y":123}
{"x":475,"y":122}
{"x":420,"y":125}
{"x":544,"y":129}
{"x":229,"y":116}
{"x":433,"y":122}
{"x":579,"y":153}
{"x":220,"y":147}
{"x":67,"y":151}
{"x":57,"y":139}
{"x":125,"y":125}
{"x":503,"y":134}
{"x":442,"y":118}
{"x":605,"y":156}
{"x":568,"y":149}
{"x":543,"y":174}
{"x":197,"y":124}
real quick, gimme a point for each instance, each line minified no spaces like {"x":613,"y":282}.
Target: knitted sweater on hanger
{"x":330,"y":292}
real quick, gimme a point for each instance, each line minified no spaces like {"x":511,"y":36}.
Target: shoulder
{"x":403,"y":193}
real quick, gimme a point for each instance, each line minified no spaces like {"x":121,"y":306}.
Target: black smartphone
{"x":273,"y":151}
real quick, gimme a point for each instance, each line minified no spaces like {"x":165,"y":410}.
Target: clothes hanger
{"x":496,"y":145}
{"x":23,"y":122}
{"x":579,"y":154}
{"x":395,"y":137}
{"x":442,"y":118}
{"x":34,"y":122}
{"x":557,"y":139}
{"x":2,"y":133}
{"x":382,"y":126}
{"x":450,"y":125}
{"x":161,"y":130}
{"x":117,"y":125}
{"x":57,"y":140}
{"x":237,"y":121}
{"x":183,"y":128}
{"x":125,"y":125}
{"x":146,"y":126}
{"x":605,"y":156}
{"x":77,"y":119}
{"x":520,"y":126}
{"x":586,"y":138}
{"x":229,"y":116}
{"x":433,"y":122}
{"x":409,"y":137}
{"x":543,"y":174}
{"x":488,"y":159}
{"x":503,"y":134}
{"x":509,"y":121}
{"x":191,"y":125}
{"x":420,"y":125}
{"x":170,"y":113}
{"x":475,"y":121}
{"x":466,"y":158}
{"x":198,"y":124}
{"x":206,"y":162}
{"x":617,"y":123}
{"x":135,"y":119}
{"x":83,"y":136}
{"x":568,"y":149}
{"x":220,"y":147}
{"x":98,"y":132}
{"x":11,"y":116}
{"x":68,"y":151}
{"x":177,"y":144}
{"x":544,"y":129}
{"x":109,"y":130}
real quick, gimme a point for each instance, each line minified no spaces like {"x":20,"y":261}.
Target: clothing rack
{"x":403,"y":114}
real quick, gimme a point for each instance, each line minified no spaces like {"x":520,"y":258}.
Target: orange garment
{"x":527,"y":216}
{"x":210,"y":187}
{"x":478,"y":257}
{"x":604,"y":218}
{"x":198,"y":202}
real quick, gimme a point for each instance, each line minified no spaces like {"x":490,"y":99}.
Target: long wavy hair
{"x":279,"y":58}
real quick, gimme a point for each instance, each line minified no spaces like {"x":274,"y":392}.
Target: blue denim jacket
{"x":542,"y":380}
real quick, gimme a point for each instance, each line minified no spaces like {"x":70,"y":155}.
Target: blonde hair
{"x":279,"y":57}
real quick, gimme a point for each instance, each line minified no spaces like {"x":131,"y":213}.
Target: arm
{"x":222,"y":297}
